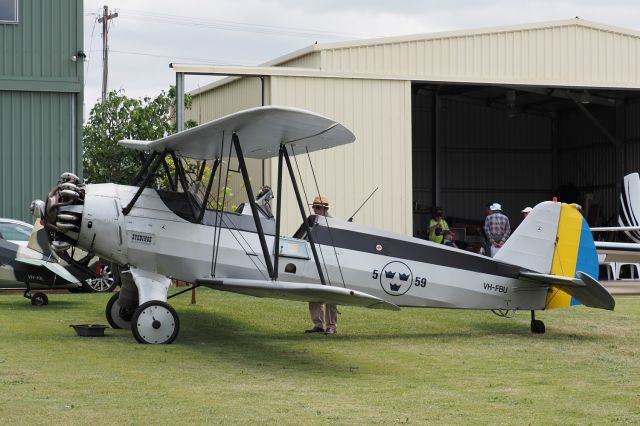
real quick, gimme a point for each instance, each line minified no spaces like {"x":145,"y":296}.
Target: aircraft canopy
{"x":261,"y":132}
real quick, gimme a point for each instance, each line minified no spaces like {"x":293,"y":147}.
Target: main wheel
{"x":117,"y":315}
{"x":39,"y":299}
{"x":155,"y":322}
{"x":107,"y":281}
{"x":537,"y":327}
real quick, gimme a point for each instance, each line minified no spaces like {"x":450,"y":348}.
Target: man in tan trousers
{"x":323,"y":315}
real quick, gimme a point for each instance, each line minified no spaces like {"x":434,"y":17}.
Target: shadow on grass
{"x":25,"y":304}
{"x":218,"y":336}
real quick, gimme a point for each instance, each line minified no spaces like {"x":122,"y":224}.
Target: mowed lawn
{"x":243,"y":360}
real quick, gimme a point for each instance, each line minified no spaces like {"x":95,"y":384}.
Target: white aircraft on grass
{"x":629,"y":220}
{"x":158,"y":234}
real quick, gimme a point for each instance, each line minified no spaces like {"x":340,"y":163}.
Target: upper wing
{"x":584,"y":288}
{"x":299,"y":291}
{"x":261,"y":131}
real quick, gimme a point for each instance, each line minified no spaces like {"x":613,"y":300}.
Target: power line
{"x":156,"y":55}
{"x":238,"y":26}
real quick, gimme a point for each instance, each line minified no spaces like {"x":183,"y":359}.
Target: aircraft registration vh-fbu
{"x":158,"y":234}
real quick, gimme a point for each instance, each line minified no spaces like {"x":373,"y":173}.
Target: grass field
{"x":243,"y":360}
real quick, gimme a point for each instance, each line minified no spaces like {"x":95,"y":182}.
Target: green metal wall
{"x":40,"y":101}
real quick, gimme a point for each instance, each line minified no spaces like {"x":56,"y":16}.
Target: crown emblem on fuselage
{"x":395,"y":278}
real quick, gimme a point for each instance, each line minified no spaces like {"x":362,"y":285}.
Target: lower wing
{"x":299,"y":291}
{"x":56,"y":268}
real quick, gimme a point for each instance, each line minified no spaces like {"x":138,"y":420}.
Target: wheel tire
{"x":537,"y":327}
{"x":155,"y":322}
{"x":39,"y":299}
{"x":106,"y":282}
{"x":113,"y":313}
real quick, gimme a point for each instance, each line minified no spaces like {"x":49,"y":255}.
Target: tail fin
{"x":532,"y":244}
{"x":38,"y":240}
{"x":575,"y":252}
{"x":630,"y":205}
{"x":553,"y":239}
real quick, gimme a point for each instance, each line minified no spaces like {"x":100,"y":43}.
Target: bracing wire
{"x":304,"y":191}
{"x":335,"y":252}
{"x":305,"y":197}
{"x":214,"y":254}
{"x":224,"y":197}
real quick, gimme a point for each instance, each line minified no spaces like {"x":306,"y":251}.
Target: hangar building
{"x":459,"y":119}
{"x":41,"y":85}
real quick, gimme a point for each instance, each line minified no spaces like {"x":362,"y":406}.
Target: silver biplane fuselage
{"x":161,"y":234}
{"x":403,"y":270}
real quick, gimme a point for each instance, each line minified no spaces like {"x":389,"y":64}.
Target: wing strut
{"x":276,"y":246}
{"x":252,"y":203}
{"x":283,"y":150}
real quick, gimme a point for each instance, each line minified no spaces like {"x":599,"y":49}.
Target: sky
{"x":148,"y":35}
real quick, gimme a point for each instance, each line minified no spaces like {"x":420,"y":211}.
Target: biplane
{"x":176,"y":232}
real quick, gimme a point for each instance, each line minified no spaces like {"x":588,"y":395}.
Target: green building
{"x":41,"y":97}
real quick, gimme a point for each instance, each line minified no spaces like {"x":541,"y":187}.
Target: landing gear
{"x":117,"y":315}
{"x":155,"y":322}
{"x":537,"y":326}
{"x":39,"y":299}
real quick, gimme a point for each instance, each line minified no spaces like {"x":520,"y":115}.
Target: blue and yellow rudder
{"x":574,"y":251}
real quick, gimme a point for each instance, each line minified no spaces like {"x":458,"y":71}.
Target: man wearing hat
{"x":496,"y":228}
{"x":323,"y":315}
{"x":525,"y":211}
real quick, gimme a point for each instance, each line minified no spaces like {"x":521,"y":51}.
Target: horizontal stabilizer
{"x":584,"y":288}
{"x":56,"y":268}
{"x":552,"y":279}
{"x":298,"y":291}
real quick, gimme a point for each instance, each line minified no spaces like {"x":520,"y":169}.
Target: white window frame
{"x":17,"y":18}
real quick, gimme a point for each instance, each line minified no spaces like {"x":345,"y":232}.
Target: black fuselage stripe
{"x":368,"y":243}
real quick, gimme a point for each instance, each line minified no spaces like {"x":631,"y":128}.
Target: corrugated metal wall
{"x":378,"y":112}
{"x":41,"y":45}
{"x":41,"y":101}
{"x":588,"y":159}
{"x":570,"y":53}
{"x":310,"y":60}
{"x":632,"y":154}
{"x":484,"y":157}
{"x":32,"y":166}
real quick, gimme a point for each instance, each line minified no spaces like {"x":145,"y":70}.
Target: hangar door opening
{"x":518,"y":146}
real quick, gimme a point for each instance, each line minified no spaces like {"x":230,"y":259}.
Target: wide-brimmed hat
{"x":321,"y":201}
{"x":495,"y":207}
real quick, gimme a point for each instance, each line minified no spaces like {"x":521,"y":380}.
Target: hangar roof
{"x":563,"y":53}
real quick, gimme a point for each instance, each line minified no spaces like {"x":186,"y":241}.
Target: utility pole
{"x":105,"y":48}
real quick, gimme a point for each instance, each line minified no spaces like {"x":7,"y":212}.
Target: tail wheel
{"x":117,"y":315}
{"x":537,"y":327}
{"x":155,"y":322}
{"x":39,"y":299}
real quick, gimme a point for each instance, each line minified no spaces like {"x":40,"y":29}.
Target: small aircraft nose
{"x":63,"y":211}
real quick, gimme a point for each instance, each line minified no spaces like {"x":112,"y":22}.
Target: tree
{"x":120,"y":117}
